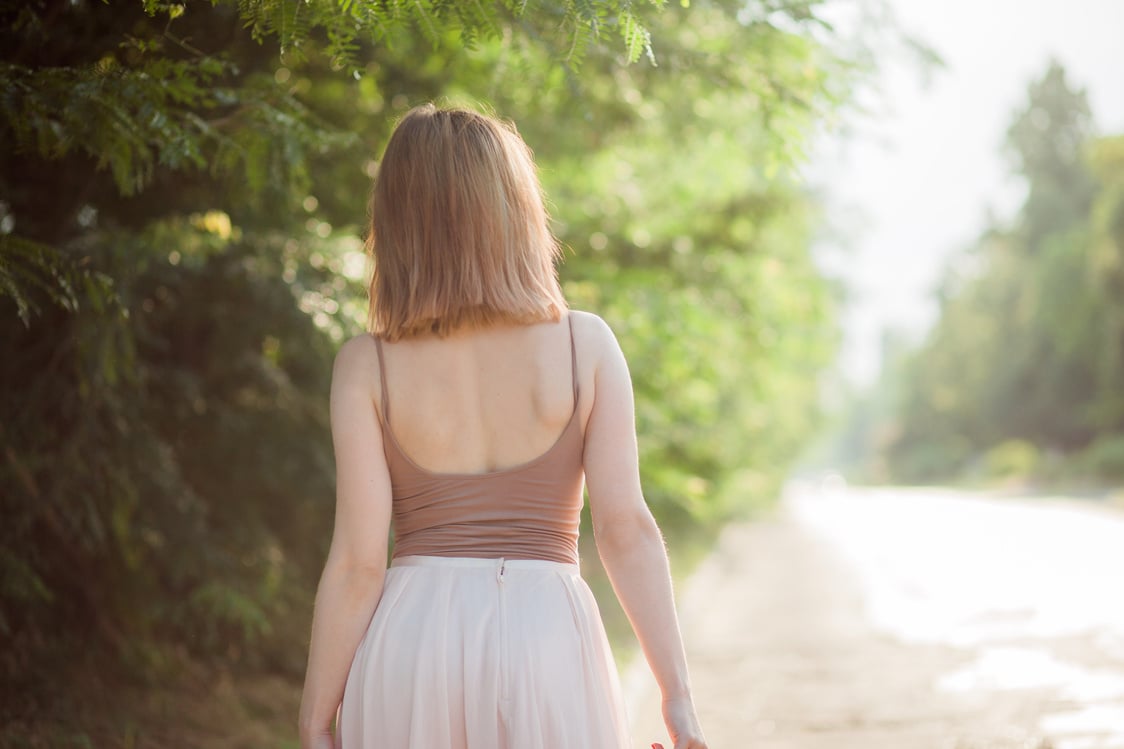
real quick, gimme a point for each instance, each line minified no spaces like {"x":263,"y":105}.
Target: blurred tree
{"x":1106,"y":267}
{"x":1046,"y":142}
{"x":1027,"y":348}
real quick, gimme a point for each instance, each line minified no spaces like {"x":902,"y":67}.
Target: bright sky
{"x":915,"y":182}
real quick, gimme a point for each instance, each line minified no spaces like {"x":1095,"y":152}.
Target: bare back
{"x":480,"y":401}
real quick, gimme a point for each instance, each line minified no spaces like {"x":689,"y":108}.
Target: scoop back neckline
{"x":526,"y":465}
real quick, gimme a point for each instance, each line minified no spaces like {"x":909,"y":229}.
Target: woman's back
{"x":490,"y":461}
{"x":481,"y":401}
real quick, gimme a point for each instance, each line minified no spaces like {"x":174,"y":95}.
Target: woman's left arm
{"x":352,"y":581}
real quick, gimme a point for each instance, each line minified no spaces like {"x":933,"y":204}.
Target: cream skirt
{"x":483,"y":654}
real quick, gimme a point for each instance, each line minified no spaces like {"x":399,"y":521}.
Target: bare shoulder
{"x":357,"y":362}
{"x":357,"y":351}
{"x":594,"y":337}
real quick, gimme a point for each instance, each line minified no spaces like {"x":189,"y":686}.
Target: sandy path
{"x":782,"y":657}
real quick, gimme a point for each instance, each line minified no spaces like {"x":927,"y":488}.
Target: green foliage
{"x":178,"y":433}
{"x":348,"y":24}
{"x":33,"y":274}
{"x":1046,"y":142}
{"x":229,"y":615}
{"x":1028,"y":355}
{"x":1012,"y":459}
{"x":171,"y":113}
{"x":1104,"y":458}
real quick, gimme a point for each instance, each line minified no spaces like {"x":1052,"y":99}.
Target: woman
{"x":470,"y":416}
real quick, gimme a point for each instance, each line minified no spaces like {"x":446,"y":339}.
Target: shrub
{"x":1012,"y":459}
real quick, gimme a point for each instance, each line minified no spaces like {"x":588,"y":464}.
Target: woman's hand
{"x":682,"y":724}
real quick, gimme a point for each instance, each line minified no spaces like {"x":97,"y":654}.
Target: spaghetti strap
{"x":573,"y":359}
{"x":382,"y":383}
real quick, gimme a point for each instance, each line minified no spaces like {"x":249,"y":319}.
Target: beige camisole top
{"x":529,"y":511}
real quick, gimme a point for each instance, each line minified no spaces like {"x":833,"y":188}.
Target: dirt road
{"x":790,"y":648}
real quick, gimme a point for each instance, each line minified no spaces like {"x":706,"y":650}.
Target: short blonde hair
{"x":459,"y":232}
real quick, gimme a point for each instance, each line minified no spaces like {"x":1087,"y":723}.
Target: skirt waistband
{"x":418,"y":560}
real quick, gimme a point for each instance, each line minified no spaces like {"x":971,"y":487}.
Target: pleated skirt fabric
{"x":483,"y":654}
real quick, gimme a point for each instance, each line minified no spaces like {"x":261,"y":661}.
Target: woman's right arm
{"x":352,"y":581}
{"x":629,"y":542}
